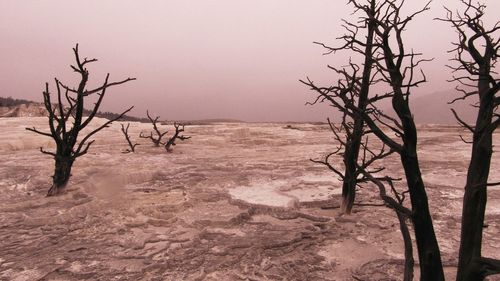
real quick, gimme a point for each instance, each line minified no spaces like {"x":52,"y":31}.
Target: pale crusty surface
{"x":238,"y":201}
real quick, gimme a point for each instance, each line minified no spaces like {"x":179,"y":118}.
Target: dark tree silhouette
{"x":340,"y":97}
{"x":127,"y":138}
{"x":179,"y":128}
{"x":355,"y":129}
{"x":476,"y":55}
{"x":66,"y":136}
{"x":159,"y":135}
{"x":398,"y":68}
{"x":368,"y":158}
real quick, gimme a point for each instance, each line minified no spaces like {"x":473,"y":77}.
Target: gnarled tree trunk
{"x":470,"y":264}
{"x":476,"y":53}
{"x":62,"y":173}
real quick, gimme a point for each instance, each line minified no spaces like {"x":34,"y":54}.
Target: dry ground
{"x":235,"y":202}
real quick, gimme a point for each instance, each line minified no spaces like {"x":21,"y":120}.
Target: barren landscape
{"x":250,"y":140}
{"x":238,"y":201}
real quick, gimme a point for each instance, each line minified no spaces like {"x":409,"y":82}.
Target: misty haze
{"x":261,"y":140}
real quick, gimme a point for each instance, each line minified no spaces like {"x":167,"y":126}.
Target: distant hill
{"x":427,"y":109}
{"x":10,"y":107}
{"x":9,"y":102}
{"x":434,"y":108}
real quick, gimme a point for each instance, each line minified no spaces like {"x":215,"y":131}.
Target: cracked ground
{"x":235,"y":202}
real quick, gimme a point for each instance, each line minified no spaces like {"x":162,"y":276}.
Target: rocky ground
{"x":235,"y":202}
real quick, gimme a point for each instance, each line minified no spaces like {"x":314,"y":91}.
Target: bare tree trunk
{"x":476,"y":54}
{"x":431,"y":267}
{"x":352,"y":146}
{"x":428,"y":250}
{"x":470,"y":265}
{"x":62,"y":173}
{"x":409,"y":261}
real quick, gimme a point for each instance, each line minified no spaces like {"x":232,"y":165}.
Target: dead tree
{"x":340,"y":97}
{"x":127,"y":137}
{"x":65,"y":135}
{"x":399,"y":70}
{"x":476,"y":54}
{"x":159,"y":135}
{"x":356,"y":130}
{"x":179,"y":128}
{"x":368,"y":157}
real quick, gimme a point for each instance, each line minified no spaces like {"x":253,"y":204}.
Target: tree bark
{"x":428,"y":249}
{"x":409,"y":261}
{"x":429,"y":256}
{"x":475,"y":197}
{"x":476,"y":55}
{"x":352,"y":146}
{"x":62,"y":173}
{"x":431,"y":267}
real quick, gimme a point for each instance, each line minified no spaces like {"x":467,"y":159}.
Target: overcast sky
{"x":197,"y":59}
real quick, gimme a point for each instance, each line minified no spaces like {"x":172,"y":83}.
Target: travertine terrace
{"x":238,"y":201}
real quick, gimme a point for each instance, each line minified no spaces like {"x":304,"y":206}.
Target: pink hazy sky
{"x":198,"y":59}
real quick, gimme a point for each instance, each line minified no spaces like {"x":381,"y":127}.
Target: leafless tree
{"x":339,"y":97}
{"x":354,"y":128}
{"x":159,"y":135}
{"x":398,"y":68}
{"x":66,"y":137}
{"x":368,"y":158}
{"x":179,"y":128}
{"x":127,"y":138}
{"x":476,"y":54}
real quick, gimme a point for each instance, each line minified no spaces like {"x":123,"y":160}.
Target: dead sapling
{"x":66,"y":121}
{"x":359,"y":38}
{"x":127,"y":137}
{"x":158,"y":135}
{"x":179,"y":128}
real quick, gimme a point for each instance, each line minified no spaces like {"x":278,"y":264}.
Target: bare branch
{"x":159,"y":135}
{"x":461,"y":122}
{"x":79,"y":151}
{"x":39,"y":132}
{"x":127,"y":138}
{"x":47,"y":152}
{"x":490,"y":266}
{"x":179,"y":128}
{"x":86,"y":93}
